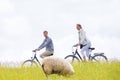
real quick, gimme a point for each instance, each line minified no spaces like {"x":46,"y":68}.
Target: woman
{"x":84,"y":43}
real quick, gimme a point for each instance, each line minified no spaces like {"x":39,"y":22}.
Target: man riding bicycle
{"x":84,"y":43}
{"x":48,"y":44}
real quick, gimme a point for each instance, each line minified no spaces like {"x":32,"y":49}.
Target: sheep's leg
{"x":60,"y":77}
{"x":47,"y":70}
{"x":48,"y":78}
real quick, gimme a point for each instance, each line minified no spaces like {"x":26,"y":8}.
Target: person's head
{"x":45,"y":33}
{"x":78,"y":27}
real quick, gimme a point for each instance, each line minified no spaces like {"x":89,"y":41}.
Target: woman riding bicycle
{"x":84,"y":43}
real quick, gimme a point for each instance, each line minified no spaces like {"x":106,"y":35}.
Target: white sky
{"x":23,"y":21}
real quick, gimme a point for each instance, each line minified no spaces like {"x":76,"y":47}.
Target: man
{"x":84,"y":43}
{"x":48,"y":44}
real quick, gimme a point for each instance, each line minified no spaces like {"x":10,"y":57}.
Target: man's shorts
{"x":46,"y":54}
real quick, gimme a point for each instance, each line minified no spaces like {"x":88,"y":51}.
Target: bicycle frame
{"x":95,"y":57}
{"x":90,"y":56}
{"x":76,"y":53}
{"x":35,"y":58}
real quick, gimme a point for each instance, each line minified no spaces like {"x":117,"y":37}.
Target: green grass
{"x":83,"y":71}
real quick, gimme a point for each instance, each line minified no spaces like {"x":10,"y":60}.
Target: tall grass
{"x":83,"y":71}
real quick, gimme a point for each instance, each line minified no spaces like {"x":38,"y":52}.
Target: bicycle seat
{"x":33,"y":50}
{"x":98,"y":53}
{"x":92,"y":48}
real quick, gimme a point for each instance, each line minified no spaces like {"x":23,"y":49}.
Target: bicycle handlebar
{"x":33,"y":50}
{"x":76,"y":45}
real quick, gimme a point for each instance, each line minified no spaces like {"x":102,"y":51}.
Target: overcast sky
{"x":23,"y":21}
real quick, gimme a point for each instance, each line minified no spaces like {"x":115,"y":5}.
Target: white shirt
{"x":82,"y":37}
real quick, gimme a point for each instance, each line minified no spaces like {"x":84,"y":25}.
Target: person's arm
{"x":83,"y":36}
{"x":78,"y":40}
{"x":45,"y":43}
{"x":75,"y":45}
{"x":40,"y":47}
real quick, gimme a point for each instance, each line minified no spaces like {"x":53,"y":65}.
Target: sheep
{"x":55,"y":65}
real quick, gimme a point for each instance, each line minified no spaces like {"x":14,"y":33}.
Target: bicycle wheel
{"x":29,"y":63}
{"x":99,"y":58}
{"x":72,"y":58}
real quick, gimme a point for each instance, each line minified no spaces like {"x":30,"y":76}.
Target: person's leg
{"x":85,"y":49}
{"x":46,"y":54}
{"x":83,"y":54}
{"x":88,"y":50}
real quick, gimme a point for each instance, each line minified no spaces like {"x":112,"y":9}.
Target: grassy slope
{"x":83,"y":71}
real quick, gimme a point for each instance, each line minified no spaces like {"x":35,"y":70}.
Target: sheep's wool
{"x":52,"y":65}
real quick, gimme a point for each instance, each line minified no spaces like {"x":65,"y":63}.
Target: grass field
{"x":83,"y":71}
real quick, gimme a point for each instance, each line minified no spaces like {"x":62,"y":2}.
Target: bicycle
{"x":33,"y":62}
{"x":76,"y":57}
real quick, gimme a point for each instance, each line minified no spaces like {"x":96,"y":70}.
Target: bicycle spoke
{"x":72,"y":58}
{"x":29,"y":63}
{"x":99,"y":58}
